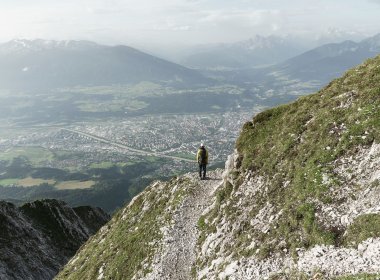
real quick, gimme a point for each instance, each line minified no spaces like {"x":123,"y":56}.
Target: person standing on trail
{"x":202,"y":159}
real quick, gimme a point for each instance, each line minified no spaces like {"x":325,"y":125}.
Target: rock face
{"x":299,"y":198}
{"x":38,"y":238}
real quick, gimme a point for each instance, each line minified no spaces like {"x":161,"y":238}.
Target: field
{"x":35,"y":155}
{"x":8,"y":182}
{"x":74,"y":185}
{"x":26,"y":182}
{"x":184,"y":155}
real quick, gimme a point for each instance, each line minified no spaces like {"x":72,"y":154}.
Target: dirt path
{"x":178,"y":253}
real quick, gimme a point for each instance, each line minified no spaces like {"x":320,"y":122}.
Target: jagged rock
{"x":38,"y":238}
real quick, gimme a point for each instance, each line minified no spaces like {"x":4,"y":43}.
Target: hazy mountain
{"x":253,"y":52}
{"x":328,"y":61}
{"x":27,"y":46}
{"x":335,"y":35}
{"x":51,"y":64}
{"x":299,"y":199}
{"x":306,"y":72}
{"x":38,"y":238}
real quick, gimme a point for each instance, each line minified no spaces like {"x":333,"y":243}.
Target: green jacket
{"x":205,"y":160}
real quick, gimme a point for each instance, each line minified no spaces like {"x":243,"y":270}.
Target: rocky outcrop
{"x":300,"y":194}
{"x":221,"y":255}
{"x":38,"y":238}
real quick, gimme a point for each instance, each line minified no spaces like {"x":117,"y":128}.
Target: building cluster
{"x":132,"y":139}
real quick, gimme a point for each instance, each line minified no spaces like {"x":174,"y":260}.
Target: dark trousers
{"x":202,"y":167}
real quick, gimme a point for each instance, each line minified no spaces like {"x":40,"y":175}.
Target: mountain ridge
{"x":24,"y":45}
{"x":39,"y":237}
{"x":42,"y":64}
{"x":340,"y":57}
{"x":253,"y":52}
{"x":299,"y":199}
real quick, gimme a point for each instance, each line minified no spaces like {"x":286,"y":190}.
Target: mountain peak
{"x":25,"y":45}
{"x":49,"y":64}
{"x":373,"y":43}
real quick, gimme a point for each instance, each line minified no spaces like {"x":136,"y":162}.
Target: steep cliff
{"x":38,"y":238}
{"x":299,"y":198}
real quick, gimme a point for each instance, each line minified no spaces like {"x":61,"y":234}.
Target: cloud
{"x":171,"y":27}
{"x":244,"y":17}
{"x":236,"y":24}
{"x":180,"y":21}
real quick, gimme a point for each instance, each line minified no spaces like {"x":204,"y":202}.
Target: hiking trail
{"x":177,"y":254}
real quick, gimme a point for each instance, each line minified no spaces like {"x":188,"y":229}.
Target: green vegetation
{"x":108,"y":185}
{"x":293,"y":275}
{"x":294,"y":147}
{"x":68,"y":105}
{"x":299,"y":142}
{"x":115,"y":105}
{"x":105,"y":165}
{"x":26,"y":182}
{"x":132,"y":237}
{"x":359,"y":277}
{"x":8,"y":182}
{"x":363,"y":227}
{"x":183,"y":155}
{"x":35,"y":155}
{"x":305,"y":129}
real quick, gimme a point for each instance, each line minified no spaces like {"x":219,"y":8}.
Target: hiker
{"x":202,"y":159}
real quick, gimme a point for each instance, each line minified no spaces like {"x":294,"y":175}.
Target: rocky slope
{"x":38,"y":238}
{"x":298,"y":199}
{"x":152,"y":238}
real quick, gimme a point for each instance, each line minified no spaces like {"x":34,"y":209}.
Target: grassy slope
{"x":292,"y":146}
{"x":298,"y":143}
{"x":130,"y":239}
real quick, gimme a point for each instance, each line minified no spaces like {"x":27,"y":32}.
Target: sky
{"x":185,"y":22}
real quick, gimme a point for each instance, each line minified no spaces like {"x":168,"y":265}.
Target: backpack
{"x":202,"y":156}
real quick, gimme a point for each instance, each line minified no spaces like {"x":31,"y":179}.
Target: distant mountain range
{"x":328,"y":61}
{"x":315,"y":67}
{"x":50,"y":64}
{"x":253,"y":52}
{"x":38,"y":238}
{"x":273,"y":64}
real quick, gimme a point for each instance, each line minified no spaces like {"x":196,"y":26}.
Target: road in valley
{"x":122,"y":146}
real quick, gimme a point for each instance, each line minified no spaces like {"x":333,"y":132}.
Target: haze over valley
{"x":103,"y":109}
{"x":81,"y":121}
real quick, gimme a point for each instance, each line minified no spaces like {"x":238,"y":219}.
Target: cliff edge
{"x":299,"y":198}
